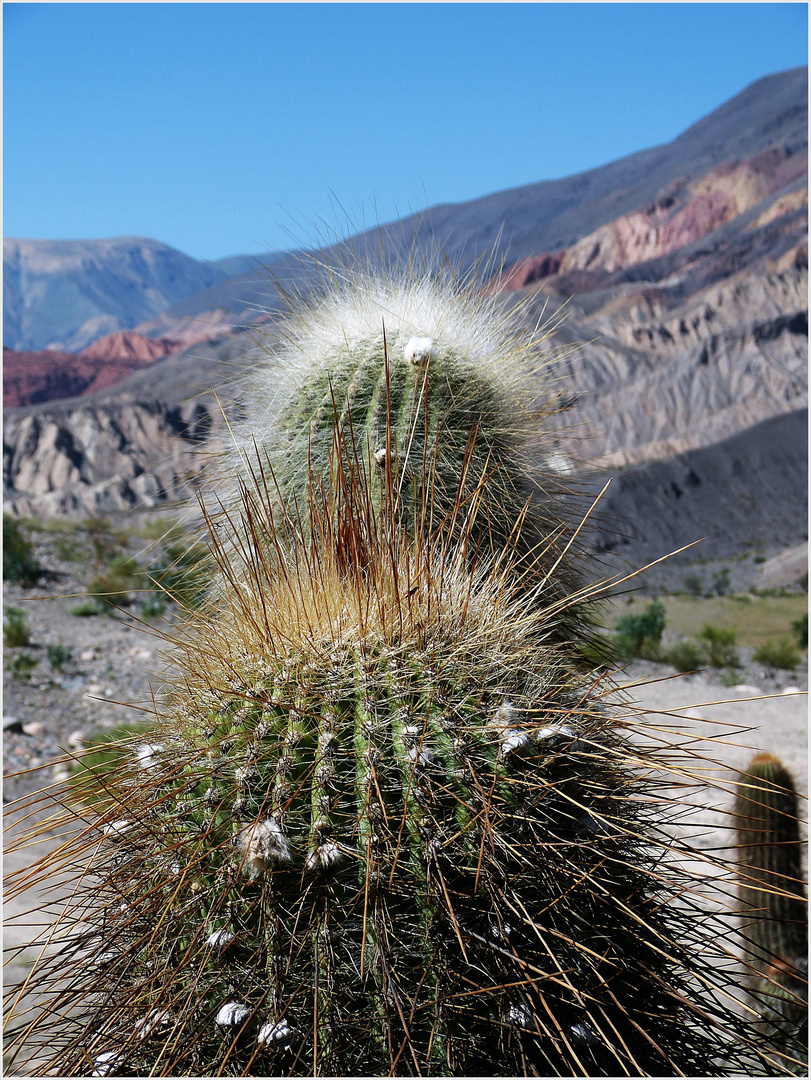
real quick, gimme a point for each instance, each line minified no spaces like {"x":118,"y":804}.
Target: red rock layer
{"x":33,"y":377}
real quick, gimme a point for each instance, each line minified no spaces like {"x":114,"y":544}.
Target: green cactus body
{"x":773,"y":895}
{"x":382,"y":828}
{"x":445,"y":425}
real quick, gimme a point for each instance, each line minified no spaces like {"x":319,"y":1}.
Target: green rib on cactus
{"x":772,"y":893}
{"x":382,"y":827}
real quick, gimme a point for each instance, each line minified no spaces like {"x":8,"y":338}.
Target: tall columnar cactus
{"x":773,"y":894}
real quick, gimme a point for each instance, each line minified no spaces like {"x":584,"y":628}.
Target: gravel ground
{"x":108,"y":681}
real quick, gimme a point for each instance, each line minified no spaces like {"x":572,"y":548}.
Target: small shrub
{"x":58,"y":656}
{"x":719,"y":646}
{"x":123,"y":565}
{"x":183,"y":572}
{"x":69,"y":549}
{"x":685,"y":655}
{"x":20,"y":565}
{"x":782,"y":653}
{"x":16,"y":631}
{"x":800,"y":630}
{"x":21,"y":666}
{"x":640,"y":635}
{"x":720,"y":582}
{"x":693,"y":585}
{"x":110,"y":590}
{"x":87,"y":607}
{"x":152,"y":607}
{"x":103,"y":538}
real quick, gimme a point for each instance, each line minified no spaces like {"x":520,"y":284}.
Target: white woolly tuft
{"x":148,"y":753}
{"x":232,"y":1014}
{"x":117,"y":828}
{"x":418,"y":350}
{"x":219,"y":939}
{"x":154,"y":1019}
{"x":262,"y":845}
{"x":106,"y":1063}
{"x":279,"y":1032}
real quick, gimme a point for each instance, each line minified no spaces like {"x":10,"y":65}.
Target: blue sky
{"x":238,"y":128}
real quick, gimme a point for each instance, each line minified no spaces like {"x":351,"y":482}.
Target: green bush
{"x":719,"y":646}
{"x":693,"y":585}
{"x":152,"y":607}
{"x":109,"y":590}
{"x":58,"y":656}
{"x":183,"y":572}
{"x":16,"y":631}
{"x":720,"y":583}
{"x":782,"y":653}
{"x":87,"y":607}
{"x":69,"y":549}
{"x":124,"y":565}
{"x":641,"y":635}
{"x":20,"y":565}
{"x":22,"y":666}
{"x":685,"y":655}
{"x":800,"y":630}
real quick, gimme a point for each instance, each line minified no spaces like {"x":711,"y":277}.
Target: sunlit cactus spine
{"x":773,"y":894}
{"x":383,"y":826}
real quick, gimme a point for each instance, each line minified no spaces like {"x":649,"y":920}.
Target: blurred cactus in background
{"x":773,"y":896}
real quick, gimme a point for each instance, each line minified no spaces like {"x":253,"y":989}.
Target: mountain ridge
{"x":64,"y":294}
{"x":685,"y":339}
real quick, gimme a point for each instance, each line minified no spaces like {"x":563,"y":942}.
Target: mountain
{"x":49,"y":375}
{"x":676,"y":281}
{"x":550,"y":215}
{"x":64,"y":294}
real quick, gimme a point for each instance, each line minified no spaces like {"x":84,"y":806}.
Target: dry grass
{"x":755,"y":619}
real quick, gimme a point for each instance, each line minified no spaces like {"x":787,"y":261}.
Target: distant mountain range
{"x":64,"y":294}
{"x":681,"y":271}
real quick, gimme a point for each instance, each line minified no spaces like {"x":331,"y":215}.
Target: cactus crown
{"x":429,"y":378}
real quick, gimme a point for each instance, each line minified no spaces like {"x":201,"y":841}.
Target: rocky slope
{"x":685,"y":348}
{"x":50,"y":375}
{"x":141,"y":443}
{"x":64,"y":294}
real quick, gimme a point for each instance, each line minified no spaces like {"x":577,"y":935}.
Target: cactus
{"x":427,"y":380}
{"x":385,"y":823}
{"x":772,"y":895}
{"x":383,"y":826}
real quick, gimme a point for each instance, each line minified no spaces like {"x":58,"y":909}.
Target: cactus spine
{"x":772,"y":894}
{"x":385,"y":825}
